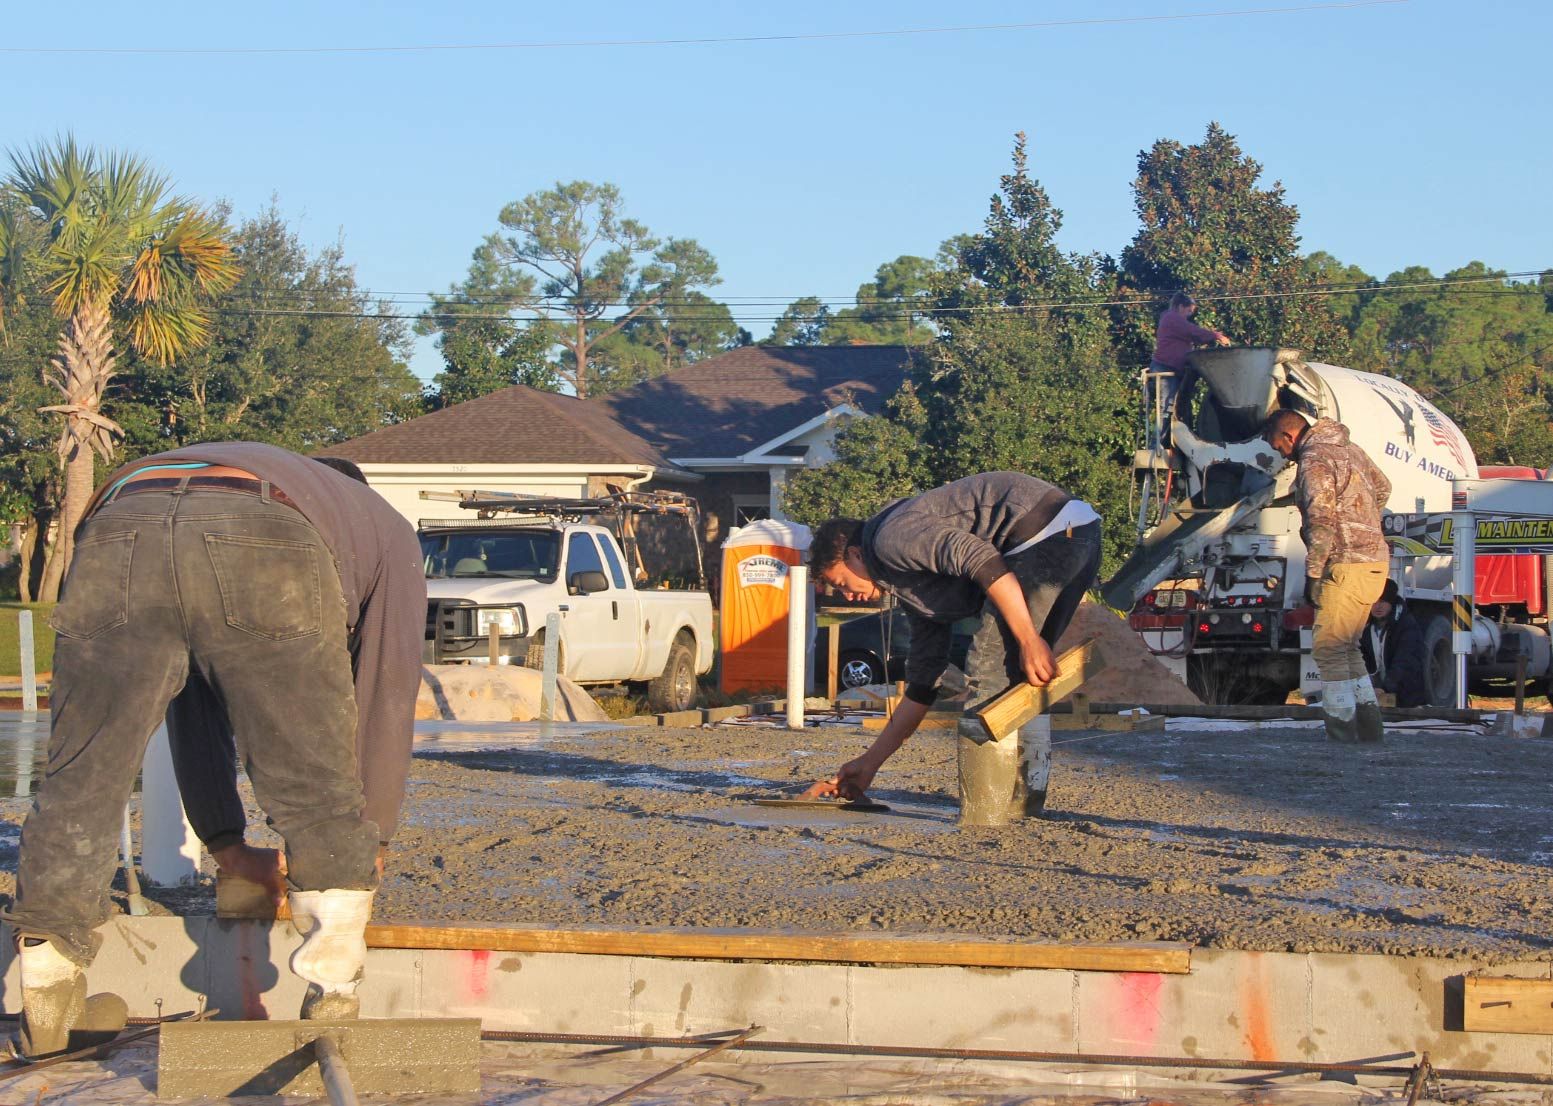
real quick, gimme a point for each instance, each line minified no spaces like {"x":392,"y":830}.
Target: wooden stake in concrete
{"x":832,"y":661}
{"x":29,"y":662}
{"x":493,"y":645}
{"x":797,"y":636}
{"x":1013,"y":708}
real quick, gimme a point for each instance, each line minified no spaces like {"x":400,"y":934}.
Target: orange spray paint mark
{"x":1253,"y":1002}
{"x":1137,"y":1007}
{"x":479,"y":972}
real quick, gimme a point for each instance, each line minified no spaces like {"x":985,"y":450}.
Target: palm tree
{"x":103,"y":241}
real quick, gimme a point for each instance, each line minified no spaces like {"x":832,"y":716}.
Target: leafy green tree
{"x":1482,"y":351}
{"x":29,"y":460}
{"x":298,"y":357}
{"x":116,"y":255}
{"x":569,"y":255}
{"x":662,"y":339}
{"x":1207,"y":226}
{"x":1035,"y":390}
{"x":802,"y":323}
{"x":481,"y":354}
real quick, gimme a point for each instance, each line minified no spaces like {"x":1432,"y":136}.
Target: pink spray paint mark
{"x":1136,"y":1007}
{"x":479,"y":972}
{"x":1258,"y":1014}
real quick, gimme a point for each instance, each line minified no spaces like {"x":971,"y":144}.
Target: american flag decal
{"x":1441,"y":434}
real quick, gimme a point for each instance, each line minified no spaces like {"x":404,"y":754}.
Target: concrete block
{"x":681,"y":719}
{"x":1373,"y":1005}
{"x":249,"y":974}
{"x":717,"y":714}
{"x":964,"y":1008}
{"x":1233,"y":1004}
{"x":150,"y":958}
{"x":397,"y":1056}
{"x":795,"y":1002}
{"x":560,"y":992}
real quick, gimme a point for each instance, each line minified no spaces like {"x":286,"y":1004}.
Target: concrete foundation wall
{"x":1318,"y":1007}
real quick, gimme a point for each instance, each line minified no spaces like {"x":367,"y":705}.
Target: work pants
{"x":1343,"y":601}
{"x":1054,"y":574}
{"x":238,"y":593}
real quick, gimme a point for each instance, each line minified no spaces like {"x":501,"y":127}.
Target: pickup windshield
{"x":515,"y":554}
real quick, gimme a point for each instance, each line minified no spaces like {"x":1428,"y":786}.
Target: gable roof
{"x":516,"y":425}
{"x":727,"y":405}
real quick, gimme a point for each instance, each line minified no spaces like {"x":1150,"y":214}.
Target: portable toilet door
{"x":754,"y":605}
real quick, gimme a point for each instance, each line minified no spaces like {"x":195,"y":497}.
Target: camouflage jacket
{"x":1340,"y":493}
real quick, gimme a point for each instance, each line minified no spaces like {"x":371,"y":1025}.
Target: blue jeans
{"x":236,"y":597}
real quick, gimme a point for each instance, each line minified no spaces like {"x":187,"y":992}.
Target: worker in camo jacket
{"x":1340,"y":492}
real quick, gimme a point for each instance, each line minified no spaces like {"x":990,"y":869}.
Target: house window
{"x":750,"y":508}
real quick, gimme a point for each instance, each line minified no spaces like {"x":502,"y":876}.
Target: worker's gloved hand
{"x":1312,"y":591}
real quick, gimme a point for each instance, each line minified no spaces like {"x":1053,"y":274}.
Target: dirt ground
{"x":1436,"y":843}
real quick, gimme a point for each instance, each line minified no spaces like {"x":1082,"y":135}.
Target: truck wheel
{"x":1439,"y":661}
{"x":675,"y":690}
{"x":859,"y":669}
{"x":535,"y":657}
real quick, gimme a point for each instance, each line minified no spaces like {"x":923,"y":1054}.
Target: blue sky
{"x":1415,"y":132}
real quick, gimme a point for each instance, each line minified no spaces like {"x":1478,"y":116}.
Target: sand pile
{"x":479,"y":693}
{"x":1133,"y":674}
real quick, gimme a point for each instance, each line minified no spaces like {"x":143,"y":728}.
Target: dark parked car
{"x":862,"y":652}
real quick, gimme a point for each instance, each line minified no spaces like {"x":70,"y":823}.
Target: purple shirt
{"x":1175,"y":338}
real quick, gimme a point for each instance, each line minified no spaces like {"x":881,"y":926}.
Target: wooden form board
{"x":754,"y":944}
{"x":1493,"y":1005}
{"x":1022,"y":702}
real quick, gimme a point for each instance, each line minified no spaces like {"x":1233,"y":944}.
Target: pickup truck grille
{"x":453,"y":614}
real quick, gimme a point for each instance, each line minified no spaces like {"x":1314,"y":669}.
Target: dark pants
{"x":1054,"y":575}
{"x":236,"y":597}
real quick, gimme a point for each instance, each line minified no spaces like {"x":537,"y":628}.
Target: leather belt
{"x":137,"y":485}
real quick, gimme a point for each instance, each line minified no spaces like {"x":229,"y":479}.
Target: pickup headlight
{"x":507,"y":620}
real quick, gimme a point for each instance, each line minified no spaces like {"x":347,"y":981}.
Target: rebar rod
{"x":731,"y":1042}
{"x":332,"y":1070}
{"x":1285,"y":1067}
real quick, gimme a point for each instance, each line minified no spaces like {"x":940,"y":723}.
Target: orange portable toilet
{"x":754,"y":611}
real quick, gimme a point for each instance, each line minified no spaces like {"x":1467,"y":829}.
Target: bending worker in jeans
{"x":252,"y":591}
{"x":1340,"y":494}
{"x":1014,"y":550}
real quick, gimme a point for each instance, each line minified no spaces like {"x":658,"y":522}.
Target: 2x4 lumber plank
{"x":1499,"y":1005}
{"x":750,"y":944}
{"x":1022,"y":702}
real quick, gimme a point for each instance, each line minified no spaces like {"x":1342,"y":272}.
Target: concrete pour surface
{"x":1224,"y":836}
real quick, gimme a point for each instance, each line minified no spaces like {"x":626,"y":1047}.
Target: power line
{"x":452,"y":305}
{"x":1049,"y":24}
{"x":906,"y":312}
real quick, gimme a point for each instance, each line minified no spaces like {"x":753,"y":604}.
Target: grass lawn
{"x":10,"y":642}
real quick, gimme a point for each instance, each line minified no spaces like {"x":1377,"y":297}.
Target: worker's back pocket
{"x":269,"y":588}
{"x":96,"y":593}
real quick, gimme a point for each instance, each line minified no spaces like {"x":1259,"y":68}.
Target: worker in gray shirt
{"x":1012,"y":550}
{"x":273,"y":606}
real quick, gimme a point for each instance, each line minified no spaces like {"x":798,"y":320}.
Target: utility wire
{"x":426,"y":48}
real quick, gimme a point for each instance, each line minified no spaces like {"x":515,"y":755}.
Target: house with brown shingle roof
{"x":726,"y":430}
{"x":745,"y":419}
{"x":518,"y":439}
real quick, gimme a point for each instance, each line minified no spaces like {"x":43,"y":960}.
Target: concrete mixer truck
{"x":1216,"y":587}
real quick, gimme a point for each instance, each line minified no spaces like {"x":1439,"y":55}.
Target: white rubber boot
{"x":1339,"y":705}
{"x":57,"y":1014}
{"x":333,"y":925}
{"x":1371,"y":726}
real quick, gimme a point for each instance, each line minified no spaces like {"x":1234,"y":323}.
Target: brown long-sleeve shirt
{"x":379,"y":561}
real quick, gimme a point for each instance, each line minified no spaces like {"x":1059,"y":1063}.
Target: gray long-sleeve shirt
{"x":941,"y":550}
{"x":379,"y":561}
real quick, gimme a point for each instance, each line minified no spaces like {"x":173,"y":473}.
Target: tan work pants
{"x":1343,"y":602}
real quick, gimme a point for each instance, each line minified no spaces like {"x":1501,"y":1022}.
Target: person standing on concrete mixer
{"x":1015,"y":551}
{"x":1174,"y":338}
{"x":254,"y":592}
{"x":1340,"y":493}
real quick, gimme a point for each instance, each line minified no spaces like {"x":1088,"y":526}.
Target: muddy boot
{"x":1371,"y":726}
{"x":57,"y":1013}
{"x":333,"y":925}
{"x":1340,"y":710}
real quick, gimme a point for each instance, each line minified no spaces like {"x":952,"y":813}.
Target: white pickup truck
{"x":511,"y":574}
